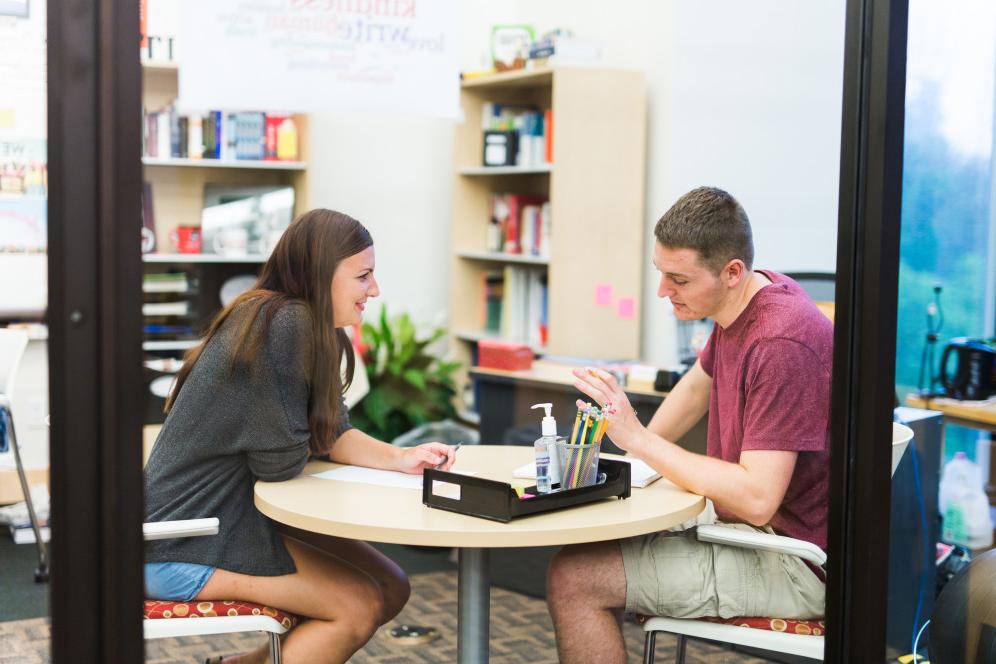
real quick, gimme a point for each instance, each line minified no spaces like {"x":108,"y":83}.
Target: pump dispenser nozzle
{"x":549,"y":423}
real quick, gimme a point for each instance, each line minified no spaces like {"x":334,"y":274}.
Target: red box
{"x":503,"y":355}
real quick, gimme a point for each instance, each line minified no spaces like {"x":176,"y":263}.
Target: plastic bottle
{"x":547,"y":464}
{"x":963,"y":505}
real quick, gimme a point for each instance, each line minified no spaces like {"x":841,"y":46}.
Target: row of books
{"x":520,"y":224}
{"x":533,"y":129}
{"x":516,"y":305}
{"x":220,"y":135}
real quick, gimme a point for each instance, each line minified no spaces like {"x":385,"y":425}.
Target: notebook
{"x":641,"y":474}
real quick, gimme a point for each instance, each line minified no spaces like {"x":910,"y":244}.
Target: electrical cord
{"x":921,"y":589}
{"x":916,"y":641}
{"x":922,"y":580}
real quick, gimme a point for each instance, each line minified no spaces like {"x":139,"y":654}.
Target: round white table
{"x":396,"y":515}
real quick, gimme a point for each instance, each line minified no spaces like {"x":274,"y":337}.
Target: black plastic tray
{"x":498,"y":501}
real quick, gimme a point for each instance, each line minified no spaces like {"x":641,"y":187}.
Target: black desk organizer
{"x":497,"y":501}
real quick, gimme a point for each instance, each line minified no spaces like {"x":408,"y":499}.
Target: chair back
{"x":12,"y":345}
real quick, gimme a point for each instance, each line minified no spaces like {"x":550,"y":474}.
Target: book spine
{"x":272,"y":124}
{"x":184,"y":136}
{"x":162,"y":134}
{"x":195,"y":144}
{"x":548,"y":135}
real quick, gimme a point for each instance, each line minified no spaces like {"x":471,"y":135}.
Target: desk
{"x":971,"y":414}
{"x":397,"y":516}
{"x":505,"y":398}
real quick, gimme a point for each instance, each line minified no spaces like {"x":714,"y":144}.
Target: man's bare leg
{"x":586,"y":591}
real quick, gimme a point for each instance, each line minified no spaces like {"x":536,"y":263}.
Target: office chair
{"x":169,"y":619}
{"x":12,"y":346}
{"x":821,"y":286}
{"x":794,"y":637}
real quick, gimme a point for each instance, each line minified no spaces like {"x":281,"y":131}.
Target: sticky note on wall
{"x":603,"y":295}
{"x":626,"y":308}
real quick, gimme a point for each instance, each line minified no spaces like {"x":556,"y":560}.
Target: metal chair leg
{"x":275,"y":648}
{"x":648,"y":647}
{"x":41,"y":572}
{"x":679,"y":650}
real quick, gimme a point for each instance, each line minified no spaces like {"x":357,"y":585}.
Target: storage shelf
{"x":520,"y":78}
{"x":502,"y":257}
{"x":170,"y":345}
{"x":160,"y":65}
{"x":479,"y":335}
{"x":506,"y":170}
{"x":203,"y":258}
{"x":253,"y":164}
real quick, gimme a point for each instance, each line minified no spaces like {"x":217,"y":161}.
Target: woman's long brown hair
{"x":300,"y":268}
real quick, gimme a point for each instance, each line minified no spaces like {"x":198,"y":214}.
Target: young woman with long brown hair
{"x":259,"y":396}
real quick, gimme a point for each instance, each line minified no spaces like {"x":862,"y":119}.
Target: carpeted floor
{"x":520,"y":632}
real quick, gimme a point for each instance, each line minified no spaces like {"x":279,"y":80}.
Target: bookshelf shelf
{"x":473,"y":171}
{"x":160,"y":65}
{"x":523,"y":78}
{"x":202,"y":258}
{"x":597,"y":230}
{"x":259,"y":165}
{"x":502,"y":257}
{"x":169,"y":345}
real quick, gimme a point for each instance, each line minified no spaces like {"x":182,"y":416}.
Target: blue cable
{"x":916,"y":641}
{"x":927,"y":556}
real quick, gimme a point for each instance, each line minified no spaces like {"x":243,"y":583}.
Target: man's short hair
{"x":712,"y":222}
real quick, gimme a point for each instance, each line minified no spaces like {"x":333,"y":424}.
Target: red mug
{"x":186,"y":239}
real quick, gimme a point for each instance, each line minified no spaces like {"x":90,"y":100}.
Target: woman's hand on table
{"x":605,"y":391}
{"x":427,"y":455}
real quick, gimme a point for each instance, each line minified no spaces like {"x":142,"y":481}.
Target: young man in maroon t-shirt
{"x":764,"y":378}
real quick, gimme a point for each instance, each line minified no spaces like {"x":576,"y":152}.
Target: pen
{"x":455,"y":448}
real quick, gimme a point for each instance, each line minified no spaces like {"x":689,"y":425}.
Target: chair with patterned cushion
{"x":165,"y":619}
{"x":795,"y":637}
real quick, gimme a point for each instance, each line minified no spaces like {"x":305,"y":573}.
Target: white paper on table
{"x":641,"y":474}
{"x":389,"y":478}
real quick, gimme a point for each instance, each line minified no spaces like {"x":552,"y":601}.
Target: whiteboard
{"x":389,"y":57}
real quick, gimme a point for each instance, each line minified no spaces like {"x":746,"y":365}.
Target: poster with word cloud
{"x":395,"y":57}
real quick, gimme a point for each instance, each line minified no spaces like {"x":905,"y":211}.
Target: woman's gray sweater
{"x":228,"y":427}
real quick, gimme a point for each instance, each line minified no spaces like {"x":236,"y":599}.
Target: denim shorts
{"x":178,"y":582}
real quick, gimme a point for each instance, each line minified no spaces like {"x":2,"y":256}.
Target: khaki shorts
{"x":673,"y":574}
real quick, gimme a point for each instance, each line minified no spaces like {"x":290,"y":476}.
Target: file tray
{"x":498,"y":501}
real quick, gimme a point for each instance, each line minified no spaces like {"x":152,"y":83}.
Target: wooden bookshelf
{"x":595,"y":186}
{"x":178,"y":186}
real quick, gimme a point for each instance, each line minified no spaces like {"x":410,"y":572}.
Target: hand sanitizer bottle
{"x":547,"y":462}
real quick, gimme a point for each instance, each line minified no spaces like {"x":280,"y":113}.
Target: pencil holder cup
{"x":578,"y":464}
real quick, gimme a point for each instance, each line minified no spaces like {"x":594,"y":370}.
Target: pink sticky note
{"x":603,"y":295}
{"x":626,"y":308}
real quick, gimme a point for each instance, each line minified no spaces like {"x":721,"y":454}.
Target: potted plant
{"x":408,"y":386}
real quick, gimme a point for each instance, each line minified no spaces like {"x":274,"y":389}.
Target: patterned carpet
{"x":520,"y":632}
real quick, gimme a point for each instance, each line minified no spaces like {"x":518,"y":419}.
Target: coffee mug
{"x":232,"y":241}
{"x":186,"y":239}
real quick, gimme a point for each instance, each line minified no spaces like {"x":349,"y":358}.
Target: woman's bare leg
{"x":393,"y":582}
{"x":340,"y":606}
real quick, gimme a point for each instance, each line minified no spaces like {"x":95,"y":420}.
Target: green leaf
{"x":377,"y":406}
{"x":416,"y":378}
